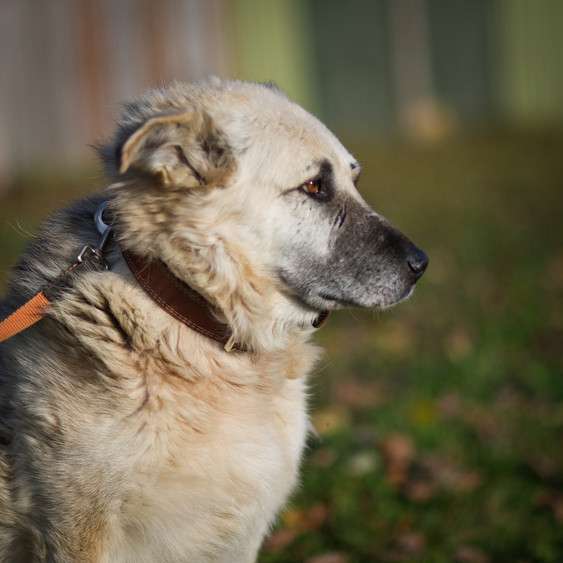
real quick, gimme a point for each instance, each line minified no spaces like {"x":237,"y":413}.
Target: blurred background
{"x":440,"y":423}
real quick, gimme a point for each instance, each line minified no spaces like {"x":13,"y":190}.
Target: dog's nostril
{"x":417,"y":261}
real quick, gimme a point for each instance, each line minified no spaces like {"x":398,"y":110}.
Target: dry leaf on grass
{"x":354,"y":393}
{"x":554,"y":272}
{"x":420,"y":491}
{"x":458,"y":344}
{"x":398,"y":452}
{"x":309,"y":519}
{"x":470,"y":554}
{"x":450,"y":405}
{"x":396,"y":338}
{"x":323,"y":457}
{"x":411,"y":543}
{"x":446,"y":475}
{"x":316,"y":516}
{"x":279,"y":540}
{"x":330,"y":557}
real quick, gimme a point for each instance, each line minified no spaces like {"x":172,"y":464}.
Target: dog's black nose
{"x":417,"y":261}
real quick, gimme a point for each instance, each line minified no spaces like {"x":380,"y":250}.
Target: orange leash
{"x":35,"y":309}
{"x":24,"y":317}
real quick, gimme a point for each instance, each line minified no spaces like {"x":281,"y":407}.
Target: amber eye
{"x":312,"y":187}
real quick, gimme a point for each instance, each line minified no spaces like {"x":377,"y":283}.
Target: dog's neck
{"x":186,"y":305}
{"x":246,"y":298}
{"x":179,"y":299}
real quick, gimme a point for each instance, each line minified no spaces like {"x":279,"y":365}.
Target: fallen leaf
{"x":544,"y":465}
{"x":330,"y":557}
{"x":354,"y":393}
{"x":279,"y":540}
{"x":420,"y":491}
{"x":398,"y":448}
{"x":309,"y":519}
{"x":293,"y":518}
{"x":411,"y":543}
{"x":467,"y":481}
{"x":396,"y":338}
{"x":471,"y":554}
{"x":448,"y":475}
{"x":450,"y":405}
{"x":555,"y":272}
{"x":315,"y":516}
{"x":458,"y":344}
{"x":557,"y":507}
{"x":323,"y":457}
{"x":398,"y":452}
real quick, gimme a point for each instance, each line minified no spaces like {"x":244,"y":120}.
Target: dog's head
{"x":253,"y":201}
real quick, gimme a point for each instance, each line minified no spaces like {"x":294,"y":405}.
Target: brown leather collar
{"x":177,"y":298}
{"x":182,"y":302}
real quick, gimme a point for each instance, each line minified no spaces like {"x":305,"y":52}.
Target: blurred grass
{"x":440,"y":422}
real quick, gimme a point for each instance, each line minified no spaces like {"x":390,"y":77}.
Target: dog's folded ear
{"x":179,"y":150}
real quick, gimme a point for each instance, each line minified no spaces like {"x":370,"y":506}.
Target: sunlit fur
{"x":131,"y":437}
{"x":126,"y":436}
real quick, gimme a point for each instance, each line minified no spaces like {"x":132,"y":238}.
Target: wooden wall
{"x":66,"y":64}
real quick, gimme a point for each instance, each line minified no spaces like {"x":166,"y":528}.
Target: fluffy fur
{"x":126,"y":436}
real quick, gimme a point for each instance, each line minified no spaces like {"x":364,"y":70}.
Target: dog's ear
{"x":178,"y":149}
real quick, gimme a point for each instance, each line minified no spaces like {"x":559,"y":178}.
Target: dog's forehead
{"x":291,"y":141}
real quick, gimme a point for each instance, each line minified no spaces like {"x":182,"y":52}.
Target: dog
{"x":132,"y":432}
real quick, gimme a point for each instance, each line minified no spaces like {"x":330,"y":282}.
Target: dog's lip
{"x":407,"y":293}
{"x":321,"y":309}
{"x":320,"y":320}
{"x":334,"y":301}
{"x":303,"y":301}
{"x":324,"y":300}
{"x":338,"y":301}
{"x":318,"y":305}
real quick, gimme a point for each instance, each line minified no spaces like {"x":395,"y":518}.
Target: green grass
{"x":441,"y":421}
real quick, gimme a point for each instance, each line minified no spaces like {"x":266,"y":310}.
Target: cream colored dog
{"x":130,"y":437}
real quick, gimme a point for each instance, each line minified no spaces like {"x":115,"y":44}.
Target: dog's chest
{"x":210,"y":474}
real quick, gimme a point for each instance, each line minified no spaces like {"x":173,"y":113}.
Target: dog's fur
{"x":127,"y":436}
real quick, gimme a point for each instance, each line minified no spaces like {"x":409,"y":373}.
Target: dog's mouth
{"x":320,"y":320}
{"x":320,"y":299}
{"x":383,"y":299}
{"x":335,"y":302}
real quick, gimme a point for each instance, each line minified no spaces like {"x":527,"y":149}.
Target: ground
{"x":440,"y":422}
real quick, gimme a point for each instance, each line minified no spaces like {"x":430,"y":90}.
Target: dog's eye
{"x":312,"y":187}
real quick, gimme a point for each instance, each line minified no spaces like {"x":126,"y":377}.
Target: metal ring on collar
{"x":99,"y":218}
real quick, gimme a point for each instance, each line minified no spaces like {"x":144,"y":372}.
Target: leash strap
{"x":35,"y":309}
{"x":24,"y":317}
